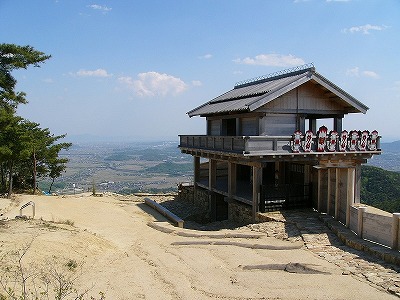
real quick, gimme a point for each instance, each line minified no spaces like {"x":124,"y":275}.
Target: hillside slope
{"x":380,"y":188}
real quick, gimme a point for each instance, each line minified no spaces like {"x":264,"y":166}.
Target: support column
{"x":257,"y":180}
{"x":328,"y":204}
{"x":319,"y":206}
{"x":302,"y":124}
{"x":196,"y":166}
{"x":361,"y":210}
{"x":395,"y":231}
{"x":312,"y":125}
{"x":338,"y":124}
{"x":231,"y":180}
{"x":357,"y":189}
{"x":337,"y":193}
{"x":350,"y":192}
{"x":212,"y":179}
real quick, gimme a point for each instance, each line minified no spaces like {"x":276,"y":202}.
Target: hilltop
{"x":129,"y":251}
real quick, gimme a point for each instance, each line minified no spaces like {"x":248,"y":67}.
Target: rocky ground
{"x":307,"y":227}
{"x":129,"y":251}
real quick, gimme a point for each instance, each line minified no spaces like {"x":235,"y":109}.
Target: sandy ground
{"x":131,"y":252}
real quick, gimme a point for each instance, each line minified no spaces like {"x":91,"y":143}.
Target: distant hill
{"x":390,"y":157}
{"x":380,"y":188}
{"x":392,"y":147}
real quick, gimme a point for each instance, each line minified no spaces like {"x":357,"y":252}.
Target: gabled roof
{"x":249,"y":95}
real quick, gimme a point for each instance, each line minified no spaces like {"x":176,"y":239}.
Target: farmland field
{"x":123,"y":168}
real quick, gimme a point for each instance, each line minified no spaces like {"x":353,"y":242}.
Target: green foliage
{"x":380,"y":188}
{"x":26,"y":150}
{"x":14,"y":57}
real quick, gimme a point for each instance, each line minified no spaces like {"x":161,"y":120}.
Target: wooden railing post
{"x":360,"y":219}
{"x":395,"y":231}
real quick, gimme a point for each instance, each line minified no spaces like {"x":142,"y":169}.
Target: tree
{"x":13,"y":145}
{"x":26,"y":150}
{"x":14,"y":57}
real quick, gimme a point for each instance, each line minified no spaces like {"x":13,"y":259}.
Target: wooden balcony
{"x":255,"y":145}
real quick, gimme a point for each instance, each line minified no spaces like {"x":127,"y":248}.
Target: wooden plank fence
{"x":376,"y":227}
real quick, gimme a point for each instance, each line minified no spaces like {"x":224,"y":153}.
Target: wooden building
{"x":277,"y":142}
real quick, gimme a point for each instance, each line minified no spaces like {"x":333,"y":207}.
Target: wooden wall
{"x":308,"y":98}
{"x":278,"y":124}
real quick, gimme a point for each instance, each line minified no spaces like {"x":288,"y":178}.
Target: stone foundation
{"x":198,"y":198}
{"x":239,"y":212}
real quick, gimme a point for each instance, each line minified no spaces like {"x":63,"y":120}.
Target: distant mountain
{"x":390,"y":157}
{"x":392,"y":147}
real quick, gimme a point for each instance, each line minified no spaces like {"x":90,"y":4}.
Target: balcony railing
{"x":264,"y":145}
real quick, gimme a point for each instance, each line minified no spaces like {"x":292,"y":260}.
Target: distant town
{"x":148,"y":167}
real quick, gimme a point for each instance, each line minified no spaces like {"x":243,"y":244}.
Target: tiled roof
{"x":252,"y":95}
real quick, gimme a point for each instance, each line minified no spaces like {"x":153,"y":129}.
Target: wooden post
{"x":319,"y":206}
{"x":357,"y":189}
{"x":328,"y":207}
{"x":212,"y":179}
{"x":312,"y":125}
{"x":337,"y":124}
{"x":196,"y":165}
{"x":231,"y":180}
{"x":360,"y":219}
{"x":350,"y":193}
{"x":395,"y":231}
{"x":337,"y":198}
{"x":256,"y":191}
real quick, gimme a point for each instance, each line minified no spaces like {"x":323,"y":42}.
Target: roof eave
{"x":360,"y":107}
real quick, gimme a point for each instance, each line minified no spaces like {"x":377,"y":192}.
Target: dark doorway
{"x":229,"y":127}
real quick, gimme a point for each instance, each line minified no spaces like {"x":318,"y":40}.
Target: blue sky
{"x":132,"y":69}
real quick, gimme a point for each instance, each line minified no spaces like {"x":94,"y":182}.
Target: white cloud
{"x":371,"y":74}
{"x":102,"y":8}
{"x":364,"y":29}
{"x":275,"y":60}
{"x":154,"y":84}
{"x":353,"y":72}
{"x":197,"y":83}
{"x":206,"y":56}
{"x":94,"y":73}
{"x":356,"y":72}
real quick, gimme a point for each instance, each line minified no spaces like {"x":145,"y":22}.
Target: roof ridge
{"x":275,"y":75}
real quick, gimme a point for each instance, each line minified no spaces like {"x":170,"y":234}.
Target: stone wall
{"x":197,"y":198}
{"x":239,"y":212}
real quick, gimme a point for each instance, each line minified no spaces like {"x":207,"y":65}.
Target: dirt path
{"x":126,"y":258}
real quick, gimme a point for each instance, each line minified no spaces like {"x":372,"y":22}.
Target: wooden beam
{"x":257,"y":177}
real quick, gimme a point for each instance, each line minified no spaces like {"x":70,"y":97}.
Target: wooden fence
{"x":379,"y":227}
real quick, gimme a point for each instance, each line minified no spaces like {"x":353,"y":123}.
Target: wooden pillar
{"x":328,"y":202}
{"x":257,"y":178}
{"x":319,"y":206}
{"x":212,"y":179}
{"x":302,"y":124}
{"x":350,"y":192}
{"x":196,"y":166}
{"x":312,"y":125}
{"x":338,"y":124}
{"x":357,"y":190}
{"x":337,"y":193}
{"x":238,"y":127}
{"x":360,"y":220}
{"x":395,"y":231}
{"x":231,"y":179}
